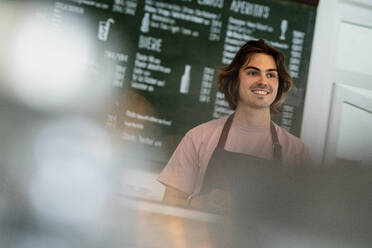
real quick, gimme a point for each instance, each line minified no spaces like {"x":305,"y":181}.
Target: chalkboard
{"x":161,"y":59}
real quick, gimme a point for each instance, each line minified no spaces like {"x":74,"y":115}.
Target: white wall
{"x":341,"y":55}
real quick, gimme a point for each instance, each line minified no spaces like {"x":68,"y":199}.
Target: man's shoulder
{"x":287,"y":136}
{"x":207,"y":129}
{"x":209,"y":125}
{"x":293,"y":146}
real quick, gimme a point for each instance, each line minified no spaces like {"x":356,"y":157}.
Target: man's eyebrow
{"x":258,"y":69}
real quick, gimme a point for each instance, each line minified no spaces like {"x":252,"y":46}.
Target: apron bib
{"x":230,"y":174}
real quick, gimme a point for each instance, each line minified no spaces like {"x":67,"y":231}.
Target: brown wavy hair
{"x":228,"y":76}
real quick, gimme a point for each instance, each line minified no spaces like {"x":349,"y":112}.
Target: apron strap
{"x":277,"y":148}
{"x":225,"y":132}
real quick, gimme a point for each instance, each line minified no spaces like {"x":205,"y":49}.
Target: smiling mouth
{"x":260,"y":92}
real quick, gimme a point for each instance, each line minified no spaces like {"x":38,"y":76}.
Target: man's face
{"x":259,"y":82}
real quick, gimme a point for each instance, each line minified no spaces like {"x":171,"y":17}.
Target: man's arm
{"x":175,"y":197}
{"x":180,"y":173}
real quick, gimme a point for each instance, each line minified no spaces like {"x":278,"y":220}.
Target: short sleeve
{"x":181,"y":171}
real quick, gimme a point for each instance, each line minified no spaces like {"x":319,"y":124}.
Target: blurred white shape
{"x":72,"y":181}
{"x":47,"y":64}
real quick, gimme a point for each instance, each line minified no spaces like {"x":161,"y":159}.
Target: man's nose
{"x":261,"y":80}
{"x":261,"y":77}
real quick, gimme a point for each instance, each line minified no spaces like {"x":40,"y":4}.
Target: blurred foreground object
{"x":307,"y":207}
{"x":58,"y":181}
{"x":58,"y":164}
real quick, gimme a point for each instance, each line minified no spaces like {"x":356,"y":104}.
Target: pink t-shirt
{"x":186,"y":168}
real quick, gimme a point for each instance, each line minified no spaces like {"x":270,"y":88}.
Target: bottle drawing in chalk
{"x":145,"y":24}
{"x":104,"y":28}
{"x":185,"y":80}
{"x":283,"y":28}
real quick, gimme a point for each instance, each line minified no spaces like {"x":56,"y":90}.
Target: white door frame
{"x":342,"y":94}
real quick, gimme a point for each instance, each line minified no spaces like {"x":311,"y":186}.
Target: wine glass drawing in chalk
{"x":283,"y":28}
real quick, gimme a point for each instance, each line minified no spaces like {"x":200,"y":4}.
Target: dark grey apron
{"x":230,"y":174}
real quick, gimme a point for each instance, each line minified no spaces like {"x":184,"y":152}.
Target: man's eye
{"x":252,"y":73}
{"x":271,"y":75}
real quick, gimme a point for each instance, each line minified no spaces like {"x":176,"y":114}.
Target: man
{"x":214,"y":157}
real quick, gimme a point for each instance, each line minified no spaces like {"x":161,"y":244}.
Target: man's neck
{"x":253,"y":116}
